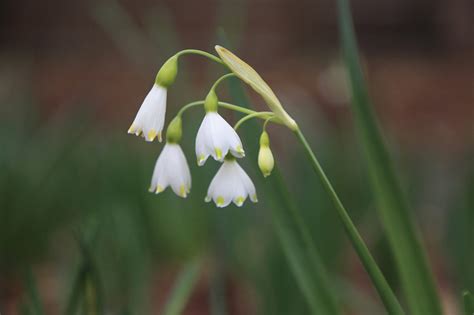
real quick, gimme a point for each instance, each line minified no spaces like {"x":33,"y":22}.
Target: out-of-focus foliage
{"x":69,"y":178}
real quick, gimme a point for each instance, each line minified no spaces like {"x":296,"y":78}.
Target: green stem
{"x":201,"y":53}
{"x":262,"y":115}
{"x":236,"y":108}
{"x":221,"y":104}
{"x":267,"y":121}
{"x":188,"y":106}
{"x":222,"y":78}
{"x":388,"y":297}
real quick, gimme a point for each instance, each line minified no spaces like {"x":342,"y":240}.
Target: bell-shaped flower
{"x":151,"y":115}
{"x":171,"y":169}
{"x":216,"y":137}
{"x":231,"y":184}
{"x":150,"y":118}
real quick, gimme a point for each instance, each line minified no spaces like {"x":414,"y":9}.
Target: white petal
{"x":227,"y":137}
{"x":202,"y":142}
{"x":150,"y":118}
{"x":159,"y":181}
{"x":247,"y":184}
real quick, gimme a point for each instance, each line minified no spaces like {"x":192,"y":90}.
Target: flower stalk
{"x":385,"y":292}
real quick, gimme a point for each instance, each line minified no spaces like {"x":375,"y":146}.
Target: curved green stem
{"x":263,"y":115}
{"x":221,"y":104}
{"x":201,"y":53}
{"x":236,"y":108}
{"x":267,"y":121}
{"x":222,"y":78}
{"x":388,"y":297}
{"x":188,"y":106}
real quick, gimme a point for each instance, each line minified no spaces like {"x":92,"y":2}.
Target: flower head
{"x":217,"y":138}
{"x":151,"y":115}
{"x":231,"y":184}
{"x":171,"y":169}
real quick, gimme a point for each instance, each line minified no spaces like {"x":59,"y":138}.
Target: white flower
{"x":151,"y":115}
{"x":171,"y":169}
{"x":216,"y":137}
{"x":231,"y":183}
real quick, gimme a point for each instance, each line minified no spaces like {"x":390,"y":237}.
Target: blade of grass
{"x":118,"y":23}
{"x":76,"y":292}
{"x":86,"y":287}
{"x":290,"y":229}
{"x":300,"y":251}
{"x":416,"y":277}
{"x":34,"y":301}
{"x":182,"y":289}
{"x":468,"y":301}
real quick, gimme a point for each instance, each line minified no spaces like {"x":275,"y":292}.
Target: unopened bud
{"x":265,"y":156}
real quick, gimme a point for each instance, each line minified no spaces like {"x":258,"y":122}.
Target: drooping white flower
{"x":217,"y":138}
{"x":171,"y":169}
{"x":231,"y":184}
{"x":151,"y":115}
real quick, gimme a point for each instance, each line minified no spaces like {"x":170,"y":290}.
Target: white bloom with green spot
{"x":150,"y":118}
{"x":231,"y":184}
{"x":171,"y":169}
{"x":216,"y":137}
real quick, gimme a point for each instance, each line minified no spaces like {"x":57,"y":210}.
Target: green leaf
{"x":468,"y":301}
{"x":416,"y":278}
{"x":35,"y":305}
{"x":182,"y":289}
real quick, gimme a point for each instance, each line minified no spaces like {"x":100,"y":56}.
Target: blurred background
{"x":73,"y":184}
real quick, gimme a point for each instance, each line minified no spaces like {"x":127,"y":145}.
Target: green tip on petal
{"x":183,"y":191}
{"x":239,"y":201}
{"x":218,"y":153}
{"x":254,"y":198}
{"x":240,"y":150}
{"x":152,"y":134}
{"x":159,"y":189}
{"x":220,"y":201}
{"x":201,"y":160}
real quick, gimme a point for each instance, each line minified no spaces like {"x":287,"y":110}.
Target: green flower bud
{"x":174,"y":131}
{"x":168,"y":72}
{"x":265,"y":156}
{"x":246,"y":73}
{"x":211,"y":102}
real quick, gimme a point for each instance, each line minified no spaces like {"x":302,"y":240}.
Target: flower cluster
{"x":215,"y":138}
